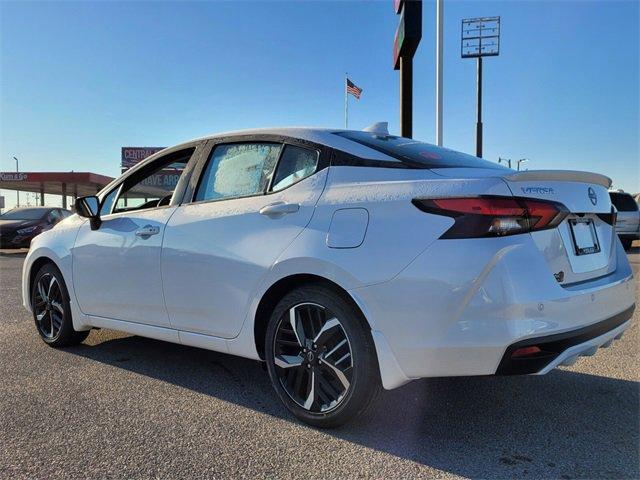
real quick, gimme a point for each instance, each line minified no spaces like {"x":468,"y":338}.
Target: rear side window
{"x":295,"y":164}
{"x":418,"y":154}
{"x":238,"y":170}
{"x":623,"y":202}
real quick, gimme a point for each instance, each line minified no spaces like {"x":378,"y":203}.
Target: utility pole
{"x":439,"y":70}
{"x":480,"y":38}
{"x":405,"y":43}
{"x":17,"y":191}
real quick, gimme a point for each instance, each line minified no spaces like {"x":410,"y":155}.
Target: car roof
{"x":323,"y":136}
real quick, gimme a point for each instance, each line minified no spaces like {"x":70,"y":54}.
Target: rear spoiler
{"x":561,"y":176}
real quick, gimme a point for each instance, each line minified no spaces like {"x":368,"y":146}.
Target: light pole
{"x":17,"y":191}
{"x":505,"y":160}
{"x":439,"y":54}
{"x":518,"y":162}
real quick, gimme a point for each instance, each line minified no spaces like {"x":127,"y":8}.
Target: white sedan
{"x":346,"y":260}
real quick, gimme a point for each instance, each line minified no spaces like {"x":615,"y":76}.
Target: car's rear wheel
{"x":51,"y":310}
{"x":320,"y":357}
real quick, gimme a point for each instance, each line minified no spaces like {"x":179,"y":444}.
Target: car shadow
{"x":562,"y":425}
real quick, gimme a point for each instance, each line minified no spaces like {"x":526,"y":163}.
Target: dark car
{"x":20,"y":225}
{"x":628,"y":219}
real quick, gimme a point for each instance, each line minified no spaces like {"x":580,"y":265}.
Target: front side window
{"x":295,"y":164}
{"x":151,"y":187}
{"x":107,"y":202}
{"x":238,"y":170}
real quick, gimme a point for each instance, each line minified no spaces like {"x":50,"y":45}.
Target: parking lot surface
{"x":121,"y":406}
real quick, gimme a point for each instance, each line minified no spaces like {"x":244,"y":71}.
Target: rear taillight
{"x":493,"y":216}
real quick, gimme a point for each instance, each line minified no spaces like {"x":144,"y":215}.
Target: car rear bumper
{"x":563,"y":348}
{"x":460,"y":306}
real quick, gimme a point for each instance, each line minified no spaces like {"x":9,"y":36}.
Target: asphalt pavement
{"x":121,"y":406}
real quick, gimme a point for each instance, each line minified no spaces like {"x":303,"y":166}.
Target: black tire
{"x":362,"y":375}
{"x":626,"y":243}
{"x":51,"y":309}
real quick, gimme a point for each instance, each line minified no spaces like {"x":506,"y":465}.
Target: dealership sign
{"x":134,"y":155}
{"x":166,"y":180}
{"x":13,"y":177}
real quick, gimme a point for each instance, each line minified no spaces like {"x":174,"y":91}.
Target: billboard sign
{"x":131,"y":156}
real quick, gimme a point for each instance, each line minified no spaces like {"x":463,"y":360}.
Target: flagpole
{"x":346,"y":103}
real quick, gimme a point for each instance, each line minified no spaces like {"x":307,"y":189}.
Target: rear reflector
{"x":525,"y":352}
{"x":491,"y":216}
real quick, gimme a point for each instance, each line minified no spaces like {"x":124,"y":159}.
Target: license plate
{"x":585,"y":239}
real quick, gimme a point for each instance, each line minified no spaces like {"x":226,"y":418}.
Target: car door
{"x":116,"y":268}
{"x":218,"y":247}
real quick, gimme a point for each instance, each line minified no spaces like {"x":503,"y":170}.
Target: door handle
{"x":146,"y":231}
{"x":279,"y":209}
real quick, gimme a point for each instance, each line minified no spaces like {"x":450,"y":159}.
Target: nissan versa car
{"x":345,"y":260}
{"x":627,"y":224}
{"x":19,"y":225}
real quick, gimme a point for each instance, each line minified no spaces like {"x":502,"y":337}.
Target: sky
{"x":79,"y":80}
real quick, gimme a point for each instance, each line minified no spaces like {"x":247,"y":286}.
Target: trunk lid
{"x":582,"y":246}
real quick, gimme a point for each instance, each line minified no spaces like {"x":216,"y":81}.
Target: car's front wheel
{"x":51,"y":310}
{"x":320,"y":357}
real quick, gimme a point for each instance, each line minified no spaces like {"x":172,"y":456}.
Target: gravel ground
{"x":121,"y":406}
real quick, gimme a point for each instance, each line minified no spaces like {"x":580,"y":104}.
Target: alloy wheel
{"x":313,"y":357}
{"x":48,"y":306}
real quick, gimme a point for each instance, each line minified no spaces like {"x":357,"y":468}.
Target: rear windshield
{"x":623,"y":202}
{"x":23,"y":214}
{"x":419,"y":154}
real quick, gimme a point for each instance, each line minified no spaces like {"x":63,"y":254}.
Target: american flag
{"x":353,"y":89}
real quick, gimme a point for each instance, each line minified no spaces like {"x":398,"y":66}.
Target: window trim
{"x":196,"y":148}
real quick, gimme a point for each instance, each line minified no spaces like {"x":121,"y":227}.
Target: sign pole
{"x":480,"y":37}
{"x":407,"y":37}
{"x":406,"y":97}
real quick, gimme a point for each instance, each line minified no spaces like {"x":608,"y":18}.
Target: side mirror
{"x":89,"y":207}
